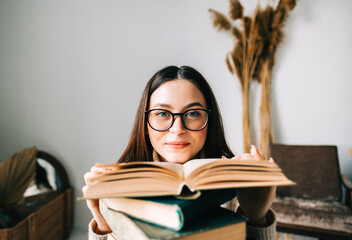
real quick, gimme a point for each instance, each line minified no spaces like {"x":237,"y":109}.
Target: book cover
{"x":219,"y":224}
{"x":141,"y":179}
{"x":170,"y":211}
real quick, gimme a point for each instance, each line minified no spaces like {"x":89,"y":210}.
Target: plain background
{"x":72,"y":73}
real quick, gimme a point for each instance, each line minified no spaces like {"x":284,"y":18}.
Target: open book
{"x":137,"y":179}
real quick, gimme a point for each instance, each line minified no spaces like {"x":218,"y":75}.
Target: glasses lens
{"x":160,"y":119}
{"x":195,"y":119}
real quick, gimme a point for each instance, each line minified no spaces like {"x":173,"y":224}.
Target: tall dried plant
{"x":253,"y":57}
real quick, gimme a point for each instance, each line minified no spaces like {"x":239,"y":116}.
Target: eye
{"x":162,"y":114}
{"x":193,"y":114}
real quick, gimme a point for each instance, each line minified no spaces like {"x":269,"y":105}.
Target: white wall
{"x":72,"y":72}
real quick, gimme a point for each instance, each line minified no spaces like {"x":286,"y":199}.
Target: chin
{"x":177,"y":159}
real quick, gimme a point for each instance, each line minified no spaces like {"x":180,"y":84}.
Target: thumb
{"x":255,"y":153}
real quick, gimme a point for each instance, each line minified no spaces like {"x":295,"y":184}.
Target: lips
{"x":177,"y":144}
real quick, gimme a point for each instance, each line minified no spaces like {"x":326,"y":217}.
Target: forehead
{"x":177,"y":93}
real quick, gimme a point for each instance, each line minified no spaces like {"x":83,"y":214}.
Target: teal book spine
{"x":172,"y":212}
{"x":219,"y":224}
{"x":191,"y":210}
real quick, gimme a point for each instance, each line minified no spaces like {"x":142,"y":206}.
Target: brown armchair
{"x":314,"y":206}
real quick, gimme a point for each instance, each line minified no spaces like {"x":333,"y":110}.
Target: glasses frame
{"x":208,"y":111}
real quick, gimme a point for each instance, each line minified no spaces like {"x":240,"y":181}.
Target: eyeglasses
{"x":162,"y":120}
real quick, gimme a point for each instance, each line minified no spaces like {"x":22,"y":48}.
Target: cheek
{"x":154,"y":137}
{"x":200,"y":137}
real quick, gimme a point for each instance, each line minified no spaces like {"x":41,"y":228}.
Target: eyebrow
{"x":194,"y":104}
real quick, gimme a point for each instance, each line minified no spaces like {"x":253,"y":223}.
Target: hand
{"x":255,"y":202}
{"x":93,"y":204}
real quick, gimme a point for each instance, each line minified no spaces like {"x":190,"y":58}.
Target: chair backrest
{"x":315,"y":169}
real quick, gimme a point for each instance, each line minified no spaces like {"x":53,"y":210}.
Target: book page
{"x":174,"y":167}
{"x":191,"y":165}
{"x":199,"y":165}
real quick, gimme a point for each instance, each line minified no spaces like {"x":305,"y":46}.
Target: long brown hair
{"x":139,"y":147}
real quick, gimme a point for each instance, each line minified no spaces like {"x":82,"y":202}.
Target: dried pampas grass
{"x":236,"y":9}
{"x":220,"y":21}
{"x":253,"y":57}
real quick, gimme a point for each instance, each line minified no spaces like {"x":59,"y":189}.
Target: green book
{"x":219,"y":224}
{"x":170,"y":211}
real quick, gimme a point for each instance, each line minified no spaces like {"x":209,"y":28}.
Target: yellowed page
{"x":192,"y":165}
{"x":174,"y":167}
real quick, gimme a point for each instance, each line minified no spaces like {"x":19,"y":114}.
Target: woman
{"x":178,"y":119}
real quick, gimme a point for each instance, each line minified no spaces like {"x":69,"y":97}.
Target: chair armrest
{"x":348,"y":187}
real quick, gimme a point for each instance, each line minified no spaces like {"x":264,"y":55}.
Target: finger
{"x":255,"y":153}
{"x":236,"y":158}
{"x":247,"y":156}
{"x":84,"y":189}
{"x":91,"y":203}
{"x":96,"y":169}
{"x":271,"y":160}
{"x":107,"y":166}
{"x":88,"y":177}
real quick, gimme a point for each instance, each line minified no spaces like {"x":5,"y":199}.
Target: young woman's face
{"x":177,"y":144}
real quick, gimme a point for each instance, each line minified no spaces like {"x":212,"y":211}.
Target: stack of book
{"x":157,"y":200}
{"x":173,"y":218}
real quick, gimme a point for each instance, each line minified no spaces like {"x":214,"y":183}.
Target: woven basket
{"x":52,"y":218}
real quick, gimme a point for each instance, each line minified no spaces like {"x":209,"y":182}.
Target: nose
{"x":177,"y":127}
